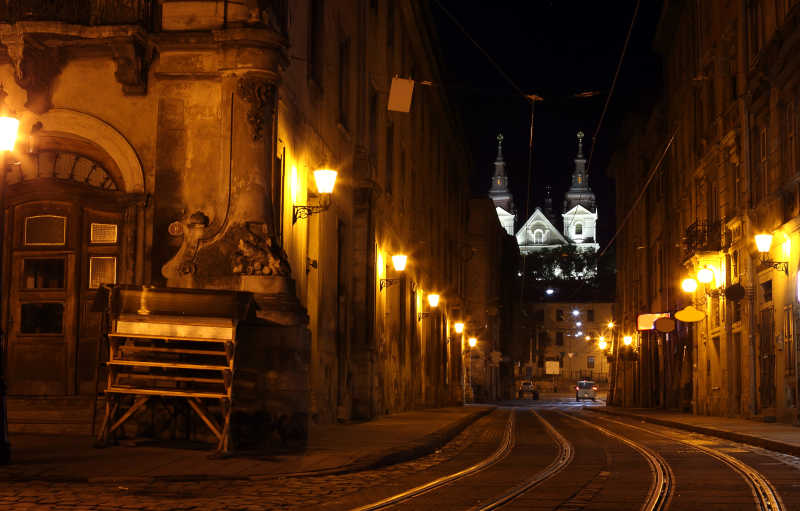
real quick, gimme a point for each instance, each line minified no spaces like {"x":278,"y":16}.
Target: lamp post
{"x":472,"y":342}
{"x":399,"y":263}
{"x":9,"y":126}
{"x":763,"y":244}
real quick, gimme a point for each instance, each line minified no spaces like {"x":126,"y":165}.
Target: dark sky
{"x":555,"y":49}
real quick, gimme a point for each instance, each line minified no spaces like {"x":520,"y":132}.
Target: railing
{"x":702,"y":237}
{"x":79,"y":12}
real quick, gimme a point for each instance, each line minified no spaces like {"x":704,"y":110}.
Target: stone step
{"x":67,"y":415}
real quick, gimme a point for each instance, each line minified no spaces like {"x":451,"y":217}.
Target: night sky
{"x":554,"y":49}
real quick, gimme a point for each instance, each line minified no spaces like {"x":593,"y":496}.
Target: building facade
{"x":173,"y":143}
{"x":719,"y":151}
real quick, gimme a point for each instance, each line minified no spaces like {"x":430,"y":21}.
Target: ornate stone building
{"x":719,"y":151}
{"x":172,"y":143}
{"x":578,"y":219}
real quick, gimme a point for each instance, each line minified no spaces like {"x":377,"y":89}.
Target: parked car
{"x":585,"y":389}
{"x":527,"y":387}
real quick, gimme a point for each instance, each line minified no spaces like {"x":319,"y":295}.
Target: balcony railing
{"x":79,"y":12}
{"x":702,"y":237}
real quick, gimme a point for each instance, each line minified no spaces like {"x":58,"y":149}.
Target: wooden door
{"x":41,"y":329}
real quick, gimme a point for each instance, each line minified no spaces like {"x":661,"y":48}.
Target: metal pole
{"x":5,"y":445}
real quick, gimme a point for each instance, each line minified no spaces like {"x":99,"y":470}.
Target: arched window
{"x":538,"y":237}
{"x":578,"y":229}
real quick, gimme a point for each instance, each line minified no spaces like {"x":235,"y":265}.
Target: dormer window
{"x":578,"y":229}
{"x":538,"y":237}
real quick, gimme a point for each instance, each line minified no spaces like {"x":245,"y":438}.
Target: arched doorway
{"x":68,"y":228}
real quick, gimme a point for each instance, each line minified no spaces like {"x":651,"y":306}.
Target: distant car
{"x":527,"y":387}
{"x":585,"y":389}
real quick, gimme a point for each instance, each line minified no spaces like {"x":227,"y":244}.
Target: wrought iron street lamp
{"x":433,"y":301}
{"x":9,"y":127}
{"x":763,"y":244}
{"x":399,"y":263}
{"x":326,"y":180}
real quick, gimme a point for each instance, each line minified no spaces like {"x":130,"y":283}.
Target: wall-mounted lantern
{"x":433,"y":301}
{"x":399,"y":263}
{"x":763,"y":244}
{"x":326,"y":180}
{"x":472,"y":342}
{"x":459,"y":327}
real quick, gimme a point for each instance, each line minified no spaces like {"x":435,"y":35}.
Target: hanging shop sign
{"x":647,"y":321}
{"x":664,"y":325}
{"x":690,"y":315}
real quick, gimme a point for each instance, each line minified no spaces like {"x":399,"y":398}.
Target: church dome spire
{"x":499,"y":192}
{"x":579,"y":192}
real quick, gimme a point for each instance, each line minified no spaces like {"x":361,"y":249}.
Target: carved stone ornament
{"x":260,"y":94}
{"x":132,"y":60}
{"x":259,"y":254}
{"x":35,"y":69}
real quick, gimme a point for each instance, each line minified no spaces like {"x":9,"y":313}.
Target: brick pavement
{"x":266,"y":491}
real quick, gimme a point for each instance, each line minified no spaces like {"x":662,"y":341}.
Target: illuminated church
{"x":539,"y":232}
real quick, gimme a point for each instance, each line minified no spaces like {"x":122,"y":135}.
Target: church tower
{"x":499,"y":193}
{"x":580,"y":210}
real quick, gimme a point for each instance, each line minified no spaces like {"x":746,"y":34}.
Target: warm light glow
{"x":610,"y":324}
{"x":580,"y":332}
{"x":689,"y":285}
{"x":578,"y":323}
{"x":9,"y":126}
{"x":575,"y":312}
{"x":705,"y":275}
{"x":399,"y":262}
{"x":325,"y":179}
{"x":627,"y":340}
{"x":763,"y":242}
{"x":602,"y":344}
{"x":588,"y":338}
{"x":472,"y":342}
{"x":380,"y":268}
{"x":293,"y":186}
{"x":601,"y":339}
{"x":459,"y":327}
{"x":433,"y":300}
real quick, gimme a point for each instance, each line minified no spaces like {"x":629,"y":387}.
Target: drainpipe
{"x":742,"y":93}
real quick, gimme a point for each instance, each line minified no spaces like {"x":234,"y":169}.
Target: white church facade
{"x":539,"y":232}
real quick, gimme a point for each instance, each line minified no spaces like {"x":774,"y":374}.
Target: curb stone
{"x":772,"y":445}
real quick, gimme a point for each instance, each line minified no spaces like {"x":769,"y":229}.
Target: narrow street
{"x":554,"y":453}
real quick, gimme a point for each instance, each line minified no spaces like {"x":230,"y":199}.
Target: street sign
{"x":551,"y":367}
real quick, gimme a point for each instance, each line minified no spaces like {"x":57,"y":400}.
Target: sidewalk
{"x":332,"y":449}
{"x":779,"y":437}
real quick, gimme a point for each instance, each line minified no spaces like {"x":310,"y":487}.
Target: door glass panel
{"x":45,"y":230}
{"x":41,"y":318}
{"x":103,"y":233}
{"x":102,"y":270}
{"x":43,"y":273}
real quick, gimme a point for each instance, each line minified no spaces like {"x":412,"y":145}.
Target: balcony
{"x":80,"y":12}
{"x":702,"y":237}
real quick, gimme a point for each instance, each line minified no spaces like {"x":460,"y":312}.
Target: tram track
{"x":503,"y":450}
{"x":765,"y":495}
{"x":564,"y":457}
{"x":663,"y":482}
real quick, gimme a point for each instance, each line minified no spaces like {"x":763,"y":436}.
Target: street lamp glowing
{"x":549,"y":291}
{"x":705,"y":275}
{"x":763,"y":242}
{"x":399,"y":262}
{"x":472,"y":342}
{"x":689,"y":285}
{"x":575,"y":312}
{"x":588,"y":338}
{"x":459,"y":327}
{"x":610,"y":324}
{"x":602,"y":344}
{"x":9,"y":126}
{"x":326,"y":179}
{"x":601,"y":339}
{"x":433,"y":300}
{"x":627,"y":340}
{"x":578,"y":323}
